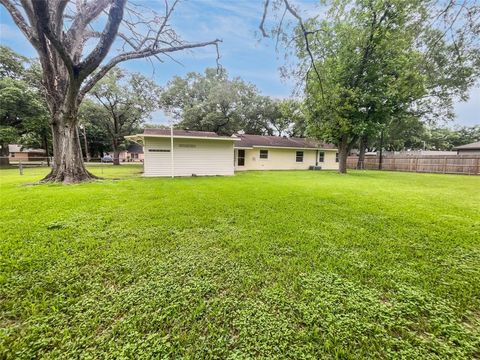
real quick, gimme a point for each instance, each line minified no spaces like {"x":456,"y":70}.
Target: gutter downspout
{"x":316,"y":158}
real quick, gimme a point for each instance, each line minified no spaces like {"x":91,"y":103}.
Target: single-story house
{"x":468,"y":149}
{"x":186,"y":153}
{"x":134,"y":152}
{"x":258,"y":152}
{"x":19,"y":153}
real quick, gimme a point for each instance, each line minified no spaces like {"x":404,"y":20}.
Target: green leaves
{"x":23,"y":108}
{"x":117,"y":106}
{"x":213,"y":102}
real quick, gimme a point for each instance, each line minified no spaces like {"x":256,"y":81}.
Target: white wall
{"x":191,"y":156}
{"x":285,"y":159}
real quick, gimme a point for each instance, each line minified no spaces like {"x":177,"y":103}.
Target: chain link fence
{"x":42,"y":162}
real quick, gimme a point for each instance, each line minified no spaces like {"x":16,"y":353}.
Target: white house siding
{"x":285,"y":159}
{"x":191,"y":157}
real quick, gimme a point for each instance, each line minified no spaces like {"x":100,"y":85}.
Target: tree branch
{"x":264,"y":16}
{"x":19,"y":20}
{"x":138,"y":55}
{"x":42,"y":16}
{"x":93,"y":60}
{"x":85,"y":15}
{"x":292,"y":11}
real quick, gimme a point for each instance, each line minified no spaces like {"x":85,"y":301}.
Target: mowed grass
{"x":260,"y":265}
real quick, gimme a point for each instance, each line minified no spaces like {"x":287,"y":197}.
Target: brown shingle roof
{"x":472,"y":146}
{"x":277,"y":141}
{"x":166,"y":132}
{"x":13,"y":148}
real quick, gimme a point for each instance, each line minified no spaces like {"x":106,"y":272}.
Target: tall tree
{"x":23,"y":111}
{"x":293,"y":114}
{"x":438,"y":138}
{"x":128,"y":99}
{"x":213,"y":102}
{"x":373,"y":62}
{"x":96,"y":140}
{"x":59,"y":31}
{"x":370,"y":75}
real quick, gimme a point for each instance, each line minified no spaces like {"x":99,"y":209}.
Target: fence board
{"x":441,"y":164}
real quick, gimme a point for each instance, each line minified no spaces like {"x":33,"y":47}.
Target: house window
{"x":241,"y":157}
{"x":263,"y":154}
{"x":299,"y":156}
{"x":321,"y":156}
{"x":336,"y":157}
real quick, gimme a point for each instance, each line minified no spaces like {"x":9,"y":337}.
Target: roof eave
{"x":131,"y":137}
{"x":287,"y":147}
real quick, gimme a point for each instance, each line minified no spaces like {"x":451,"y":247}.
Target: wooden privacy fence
{"x":442,"y":164}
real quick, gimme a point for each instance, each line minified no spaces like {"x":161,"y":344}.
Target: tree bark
{"x":4,"y":155}
{"x":342,"y":155}
{"x":45,"y":146}
{"x":380,"y":161}
{"x":116,"y":153}
{"x":68,"y":166}
{"x":116,"y":157}
{"x":361,"y":155}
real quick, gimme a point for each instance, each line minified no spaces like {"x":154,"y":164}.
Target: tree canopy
{"x":23,"y":110}
{"x":126,"y":100}
{"x":372,"y":64}
{"x":214,"y":102}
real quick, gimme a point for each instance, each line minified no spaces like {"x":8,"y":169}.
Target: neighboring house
{"x":193,"y":153}
{"x":18,"y":153}
{"x":469,"y":149}
{"x":258,"y":152}
{"x":134,"y":152}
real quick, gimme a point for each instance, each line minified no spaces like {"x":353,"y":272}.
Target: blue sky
{"x":243,"y":52}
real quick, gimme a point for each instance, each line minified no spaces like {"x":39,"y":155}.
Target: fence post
{"x":20,"y":167}
{"x":416,"y":164}
{"x":478,"y":165}
{"x":445,"y":165}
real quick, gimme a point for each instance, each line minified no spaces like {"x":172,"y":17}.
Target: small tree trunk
{"x":45,"y":146}
{"x":380,"y":161}
{"x":342,"y":156}
{"x":116,"y":153}
{"x":116,"y":159}
{"x":361,"y":155}
{"x":68,"y":164}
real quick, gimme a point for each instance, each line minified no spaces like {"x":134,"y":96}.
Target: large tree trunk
{"x":68,"y":164}
{"x":361,"y":155}
{"x":342,"y":155}
{"x":4,"y":155}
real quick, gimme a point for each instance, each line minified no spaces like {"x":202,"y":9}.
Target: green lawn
{"x":263,"y":264}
